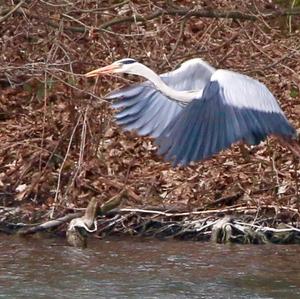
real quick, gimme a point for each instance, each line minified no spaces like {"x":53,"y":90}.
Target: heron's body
{"x":196,"y":111}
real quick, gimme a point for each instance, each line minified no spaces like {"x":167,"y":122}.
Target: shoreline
{"x":235,"y":224}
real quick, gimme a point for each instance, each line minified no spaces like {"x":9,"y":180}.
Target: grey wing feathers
{"x":146,"y":110}
{"x":245,"y":92}
{"x":213,"y":123}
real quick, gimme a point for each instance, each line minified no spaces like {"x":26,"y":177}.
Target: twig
{"x":10,"y":12}
{"x":275,"y":171}
{"x":226,"y":199}
{"x":283,"y":57}
{"x":81,"y":151}
{"x":49,"y":224}
{"x":181,"y":32}
{"x":114,"y":221}
{"x":186,"y":12}
{"x":203,"y":13}
{"x":217,"y":48}
{"x":290,"y":17}
{"x":296,"y":169}
{"x":131,"y":19}
{"x":62,"y":165}
{"x":121,"y":186}
{"x":101,"y":8}
{"x":247,"y":209}
{"x":271,"y":229}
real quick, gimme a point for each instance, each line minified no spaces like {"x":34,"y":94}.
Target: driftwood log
{"x":79,"y":228}
{"x":80,"y":223}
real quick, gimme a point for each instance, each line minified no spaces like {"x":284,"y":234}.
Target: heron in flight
{"x":196,"y":110}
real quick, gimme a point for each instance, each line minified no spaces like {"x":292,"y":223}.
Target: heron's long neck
{"x":181,"y":96}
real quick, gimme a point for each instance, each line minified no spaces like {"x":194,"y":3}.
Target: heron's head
{"x":126,"y":65}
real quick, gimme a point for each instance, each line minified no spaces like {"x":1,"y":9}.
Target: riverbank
{"x":242,"y":224}
{"x":60,"y":146}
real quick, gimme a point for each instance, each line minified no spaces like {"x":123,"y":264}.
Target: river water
{"x":141,"y":268}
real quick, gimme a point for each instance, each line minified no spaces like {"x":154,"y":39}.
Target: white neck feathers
{"x":180,"y":96}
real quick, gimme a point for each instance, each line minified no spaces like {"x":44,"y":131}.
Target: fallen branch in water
{"x":77,"y":230}
{"x":239,"y":209}
{"x":235,"y":224}
{"x":49,"y":224}
{"x":262,"y":225}
{"x":86,"y":219}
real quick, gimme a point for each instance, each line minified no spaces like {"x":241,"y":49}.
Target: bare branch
{"x":10,"y":12}
{"x":171,"y":11}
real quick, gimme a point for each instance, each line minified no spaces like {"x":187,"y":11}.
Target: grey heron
{"x":196,"y":110}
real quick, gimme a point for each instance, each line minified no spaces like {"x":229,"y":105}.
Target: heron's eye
{"x":127,"y":61}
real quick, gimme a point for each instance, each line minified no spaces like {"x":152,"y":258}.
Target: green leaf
{"x":294,"y":92}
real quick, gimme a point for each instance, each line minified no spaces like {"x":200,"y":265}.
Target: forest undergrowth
{"x":59,"y":145}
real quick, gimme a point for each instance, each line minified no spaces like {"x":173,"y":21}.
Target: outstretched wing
{"x":233,"y":107}
{"x":146,"y":110}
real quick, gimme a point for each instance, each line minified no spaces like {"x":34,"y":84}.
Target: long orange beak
{"x":109,"y":69}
